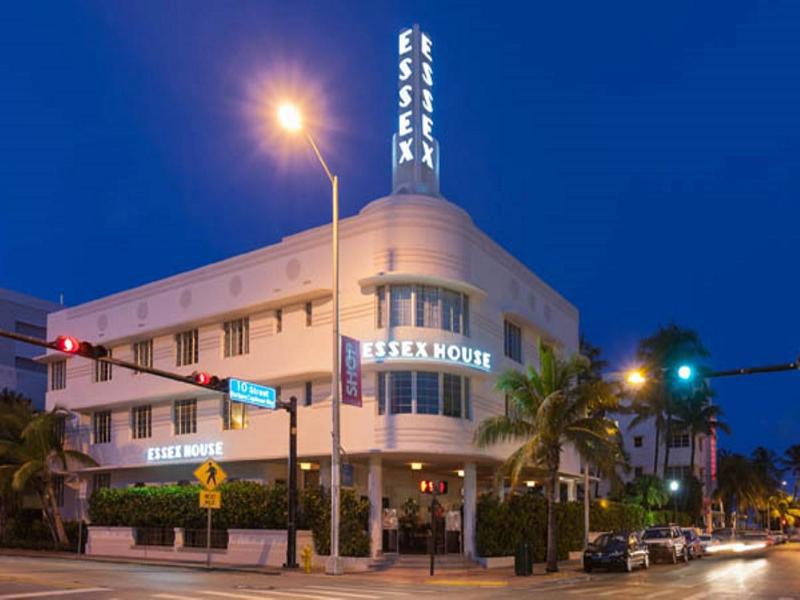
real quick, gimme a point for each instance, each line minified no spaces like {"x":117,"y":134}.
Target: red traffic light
{"x":203,"y":378}
{"x":428,"y":486}
{"x":67,"y":343}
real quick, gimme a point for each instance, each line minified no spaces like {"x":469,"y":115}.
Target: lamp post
{"x":673,"y":487}
{"x":291,"y":120}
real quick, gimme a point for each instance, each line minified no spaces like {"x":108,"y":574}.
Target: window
{"x":679,"y":440}
{"x":30,"y":330}
{"x":400,"y":306}
{"x":186,"y":348}
{"x":141,"y":421}
{"x":428,"y":393}
{"x":467,"y":398}
{"x":452,"y":311}
{"x":637,"y":441}
{"x":58,"y":375}
{"x":278,"y":320}
{"x":102,"y":370}
{"x":380,"y":310}
{"x":638,"y":471}
{"x":237,"y":337}
{"x":58,"y":489}
{"x":381,"y":385}
{"x":512,"y":337}
{"x":309,"y":313}
{"x":681,"y":472}
{"x":400,"y":392}
{"x":308,"y":396}
{"x":234,"y":414}
{"x":185,"y":416}
{"x":429,"y":312}
{"x":61,"y":430}
{"x":451,"y":395}
{"x":101,"y":427}
{"x":278,"y":394}
{"x":101,"y":481}
{"x":28,"y":364}
{"x":143,"y":353}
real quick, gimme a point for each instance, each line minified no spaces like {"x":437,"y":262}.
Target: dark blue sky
{"x":643,"y":160}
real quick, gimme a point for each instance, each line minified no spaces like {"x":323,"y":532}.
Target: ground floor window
{"x":424,"y":393}
{"x":101,"y":481}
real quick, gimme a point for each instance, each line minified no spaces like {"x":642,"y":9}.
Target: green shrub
{"x":353,"y":536}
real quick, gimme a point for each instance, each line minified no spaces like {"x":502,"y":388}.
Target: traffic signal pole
{"x":291,"y":528}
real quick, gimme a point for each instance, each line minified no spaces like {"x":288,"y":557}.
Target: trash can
{"x":523,"y":560}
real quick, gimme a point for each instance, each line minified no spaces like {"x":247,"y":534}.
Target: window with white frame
{"x":143,"y":353}
{"x":234,"y":414}
{"x":678,"y":440}
{"x":237,"y":337}
{"x":186,"y":347}
{"x":423,"y":392}
{"x":512,"y":341}
{"x":422,"y":306}
{"x":185,"y":416}
{"x":101,"y":427}
{"x":58,"y":375}
{"x":400,"y":306}
{"x":102,"y":369}
{"x":142,"y":422}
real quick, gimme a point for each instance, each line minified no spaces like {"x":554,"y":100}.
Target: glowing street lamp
{"x":635,"y":377}
{"x":291,"y":120}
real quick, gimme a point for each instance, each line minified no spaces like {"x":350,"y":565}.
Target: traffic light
{"x":71,"y":345}
{"x":429,"y":486}
{"x":212,"y":382}
{"x":67,"y":343}
{"x":685,"y":372}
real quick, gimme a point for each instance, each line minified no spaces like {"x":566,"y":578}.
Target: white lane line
{"x":377,"y":590}
{"x":270,"y":594}
{"x":340,"y":591}
{"x":54,"y":593}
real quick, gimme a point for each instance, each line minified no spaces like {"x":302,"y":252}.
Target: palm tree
{"x":697,"y":416}
{"x":16,"y":411}
{"x":31,"y":460}
{"x":648,"y":491}
{"x":791,"y":461}
{"x":549,"y":411}
{"x":737,"y":482}
{"x":768,"y":475}
{"x":659,"y":355}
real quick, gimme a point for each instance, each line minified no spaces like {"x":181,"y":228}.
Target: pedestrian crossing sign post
{"x":210,"y":500}
{"x":210,"y":475}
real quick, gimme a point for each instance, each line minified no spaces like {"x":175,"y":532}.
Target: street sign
{"x":210,"y":499}
{"x":252,"y":393}
{"x":210,"y":475}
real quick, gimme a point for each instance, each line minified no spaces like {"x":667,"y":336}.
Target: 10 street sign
{"x":252,"y":393}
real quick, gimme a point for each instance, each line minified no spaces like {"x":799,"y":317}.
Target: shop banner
{"x":351,"y":371}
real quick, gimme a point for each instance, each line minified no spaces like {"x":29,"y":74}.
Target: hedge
{"x":503,"y":525}
{"x":353,"y":537}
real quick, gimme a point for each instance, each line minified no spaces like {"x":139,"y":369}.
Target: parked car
{"x":666,"y":542}
{"x":707,"y":541}
{"x":779,"y":536}
{"x":624,"y":550}
{"x":693,"y":542}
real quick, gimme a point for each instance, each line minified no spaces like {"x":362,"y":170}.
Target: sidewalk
{"x":569,"y":571}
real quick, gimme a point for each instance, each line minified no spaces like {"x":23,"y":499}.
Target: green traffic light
{"x":685,"y":372}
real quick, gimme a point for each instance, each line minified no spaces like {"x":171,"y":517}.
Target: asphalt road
{"x":775,"y":575}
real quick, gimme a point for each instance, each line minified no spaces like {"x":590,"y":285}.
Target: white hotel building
{"x":414,"y":269}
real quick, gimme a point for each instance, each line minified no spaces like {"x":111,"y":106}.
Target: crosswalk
{"x":307,"y":592}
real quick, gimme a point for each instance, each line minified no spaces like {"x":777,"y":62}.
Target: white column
{"x":375,"y":486}
{"x":470,"y":499}
{"x":572,"y":495}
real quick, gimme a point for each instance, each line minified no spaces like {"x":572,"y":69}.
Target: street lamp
{"x":673,"y":487}
{"x":635,"y":377}
{"x":291,"y":120}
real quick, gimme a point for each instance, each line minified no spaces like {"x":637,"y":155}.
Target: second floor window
{"x":637,"y":441}
{"x":141,"y":421}
{"x":679,"y":440}
{"x":237,"y":337}
{"x":101,"y":427}
{"x":143,"y":353}
{"x":58,"y":375}
{"x":102,"y":370}
{"x":234,"y":414}
{"x":424,"y":392}
{"x":185,"y":416}
{"x":422,"y":306}
{"x":186,"y":347}
{"x":512,"y":341}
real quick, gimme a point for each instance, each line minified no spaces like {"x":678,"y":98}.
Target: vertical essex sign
{"x":415,"y":152}
{"x":351,"y":371}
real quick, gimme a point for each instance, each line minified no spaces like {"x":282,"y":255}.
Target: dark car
{"x":693,"y":543}
{"x":623,"y":550}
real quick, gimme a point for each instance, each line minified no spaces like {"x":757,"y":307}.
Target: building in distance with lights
{"x":440,"y":310}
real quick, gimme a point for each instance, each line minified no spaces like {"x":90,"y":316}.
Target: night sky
{"x":642,"y":160}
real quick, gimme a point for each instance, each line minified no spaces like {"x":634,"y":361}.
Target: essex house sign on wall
{"x":457,"y":354}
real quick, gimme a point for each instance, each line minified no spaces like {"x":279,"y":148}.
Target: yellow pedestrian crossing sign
{"x":210,"y":499}
{"x":210,"y":475}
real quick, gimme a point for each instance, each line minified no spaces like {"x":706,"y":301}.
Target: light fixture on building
{"x":460,"y":472}
{"x":530,"y":483}
{"x":416,"y":466}
{"x":304,"y":466}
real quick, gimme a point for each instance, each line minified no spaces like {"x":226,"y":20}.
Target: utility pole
{"x":291,"y":529}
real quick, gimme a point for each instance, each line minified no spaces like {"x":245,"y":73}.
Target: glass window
{"x":143,"y":353}
{"x":102,"y":369}
{"x":451,"y":395}
{"x":141,"y":421}
{"x":427,"y":393}
{"x":186,"y":347}
{"x":380,"y":298}
{"x":101,"y":427}
{"x":429,"y":312}
{"x":451,"y":311}
{"x":381,"y":385}
{"x":185,"y":416}
{"x":512,"y":338}
{"x":309,"y":394}
{"x":400,"y":391}
{"x":234,"y":414}
{"x":58,"y":375}
{"x":237,"y":337}
{"x":101,"y":481}
{"x":467,"y":398}
{"x":400,"y":306}
{"x":637,"y":441}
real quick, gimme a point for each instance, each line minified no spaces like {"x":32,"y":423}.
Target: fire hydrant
{"x":306,"y":556}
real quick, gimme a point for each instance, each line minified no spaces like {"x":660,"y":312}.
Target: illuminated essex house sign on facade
{"x":437,"y":308}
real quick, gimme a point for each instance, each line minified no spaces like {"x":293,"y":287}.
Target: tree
{"x":648,"y":491}
{"x":660,"y":355}
{"x":768,"y":475}
{"x":31,"y":461}
{"x":791,"y":461}
{"x":738,"y":486}
{"x":550,"y":409}
{"x":16,"y":411}
{"x":697,"y":416}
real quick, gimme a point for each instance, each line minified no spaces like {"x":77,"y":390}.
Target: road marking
{"x":270,"y":594}
{"x":54,"y":593}
{"x":378,"y":590}
{"x":232,"y":595}
{"x":587,"y":590}
{"x":339,"y":591}
{"x":662,"y":593}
